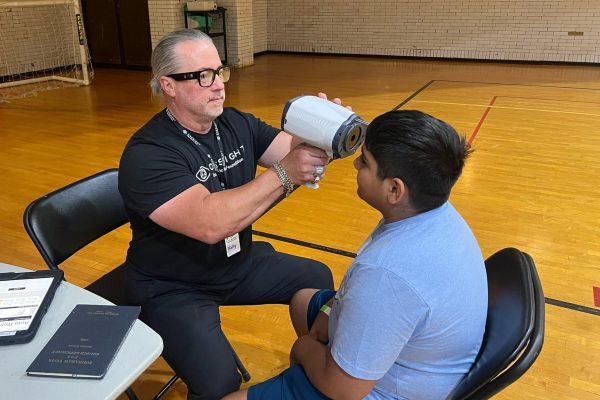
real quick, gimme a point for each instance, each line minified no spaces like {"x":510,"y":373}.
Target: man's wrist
{"x":288,"y":186}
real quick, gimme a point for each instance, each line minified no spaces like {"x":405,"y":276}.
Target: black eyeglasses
{"x":206,"y":77}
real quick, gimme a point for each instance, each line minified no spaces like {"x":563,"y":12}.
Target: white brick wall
{"x":259,"y":25}
{"x":240,"y":32}
{"x":527,"y":30}
{"x":165,"y":17}
{"x":481,"y":29}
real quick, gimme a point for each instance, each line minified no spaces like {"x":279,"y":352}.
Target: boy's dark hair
{"x":425,"y":152}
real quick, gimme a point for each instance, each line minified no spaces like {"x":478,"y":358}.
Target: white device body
{"x":324,"y":124}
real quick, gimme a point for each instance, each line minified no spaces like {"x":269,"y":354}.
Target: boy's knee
{"x":298,"y":310}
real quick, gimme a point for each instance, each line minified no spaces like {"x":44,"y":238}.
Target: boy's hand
{"x":320,"y":330}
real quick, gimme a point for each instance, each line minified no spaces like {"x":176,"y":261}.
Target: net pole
{"x":82,"y":49}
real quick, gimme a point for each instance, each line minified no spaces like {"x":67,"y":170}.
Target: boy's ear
{"x":397,"y":191}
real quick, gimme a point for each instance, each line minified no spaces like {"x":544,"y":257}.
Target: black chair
{"x":514,"y":332}
{"x":66,"y":220}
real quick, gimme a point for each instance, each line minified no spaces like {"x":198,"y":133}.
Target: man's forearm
{"x":211,"y":217}
{"x":240,"y":207}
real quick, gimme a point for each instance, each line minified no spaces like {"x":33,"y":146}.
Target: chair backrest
{"x":66,"y":220}
{"x":514,"y":332}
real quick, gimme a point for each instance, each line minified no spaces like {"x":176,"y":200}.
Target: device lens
{"x":353,"y":139}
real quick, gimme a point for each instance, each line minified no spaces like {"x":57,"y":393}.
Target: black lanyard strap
{"x":221,"y":176}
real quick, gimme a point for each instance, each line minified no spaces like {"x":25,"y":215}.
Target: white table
{"x":141,"y":347}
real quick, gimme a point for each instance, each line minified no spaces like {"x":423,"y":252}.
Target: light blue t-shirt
{"x":411,"y":309}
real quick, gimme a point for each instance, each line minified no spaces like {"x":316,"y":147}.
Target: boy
{"x":408,"y":319}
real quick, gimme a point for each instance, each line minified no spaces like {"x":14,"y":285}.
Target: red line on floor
{"x":483,"y":117}
{"x":596,"y":296}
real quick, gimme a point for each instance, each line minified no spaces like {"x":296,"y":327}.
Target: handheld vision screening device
{"x":324,"y":124}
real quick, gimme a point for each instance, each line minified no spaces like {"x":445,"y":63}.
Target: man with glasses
{"x":188,"y":181}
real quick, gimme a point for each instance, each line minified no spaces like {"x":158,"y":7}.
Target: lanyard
{"x":222,"y":179}
{"x":232,"y":243}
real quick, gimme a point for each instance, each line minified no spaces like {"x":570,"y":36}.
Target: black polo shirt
{"x":158,"y":163}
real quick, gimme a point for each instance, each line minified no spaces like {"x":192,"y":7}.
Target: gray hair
{"x":164,"y":59}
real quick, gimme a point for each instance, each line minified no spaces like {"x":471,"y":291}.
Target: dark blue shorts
{"x":293,"y":384}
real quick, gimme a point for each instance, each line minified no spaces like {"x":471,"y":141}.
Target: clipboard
{"x":24,"y":299}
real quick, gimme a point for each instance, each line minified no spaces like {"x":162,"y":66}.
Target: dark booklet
{"x":86,"y":342}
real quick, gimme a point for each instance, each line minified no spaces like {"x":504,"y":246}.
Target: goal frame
{"x":83,"y":54}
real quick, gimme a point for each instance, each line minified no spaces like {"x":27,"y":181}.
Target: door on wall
{"x":118,"y":32}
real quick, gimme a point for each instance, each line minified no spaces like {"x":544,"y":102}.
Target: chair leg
{"x":243,"y":370}
{"x":131,"y":394}
{"x":166,"y":387}
{"x":245,"y":375}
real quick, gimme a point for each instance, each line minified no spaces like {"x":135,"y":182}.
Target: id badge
{"x":232,"y":244}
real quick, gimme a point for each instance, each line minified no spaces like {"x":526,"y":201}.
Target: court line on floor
{"x":409,"y":98}
{"x":428,"y":84}
{"x":489,"y":107}
{"x":507,"y":107}
{"x":518,"y":84}
{"x":305,"y":244}
{"x":572,"y":306}
{"x":557,"y":100}
{"x":481,"y":120}
{"x":549,"y":300}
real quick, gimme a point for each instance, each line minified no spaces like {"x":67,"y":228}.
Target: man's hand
{"x":304,"y":163}
{"x":336,"y":100}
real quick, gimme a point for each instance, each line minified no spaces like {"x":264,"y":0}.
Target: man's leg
{"x":275,"y":277}
{"x":194,"y":344}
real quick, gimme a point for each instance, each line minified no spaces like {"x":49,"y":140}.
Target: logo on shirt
{"x":203,"y":174}
{"x":228,"y":161}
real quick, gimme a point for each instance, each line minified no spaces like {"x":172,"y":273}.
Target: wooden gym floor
{"x":533,"y":182}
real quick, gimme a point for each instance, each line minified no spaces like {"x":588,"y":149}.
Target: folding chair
{"x":68,"y":219}
{"x":514,"y":332}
